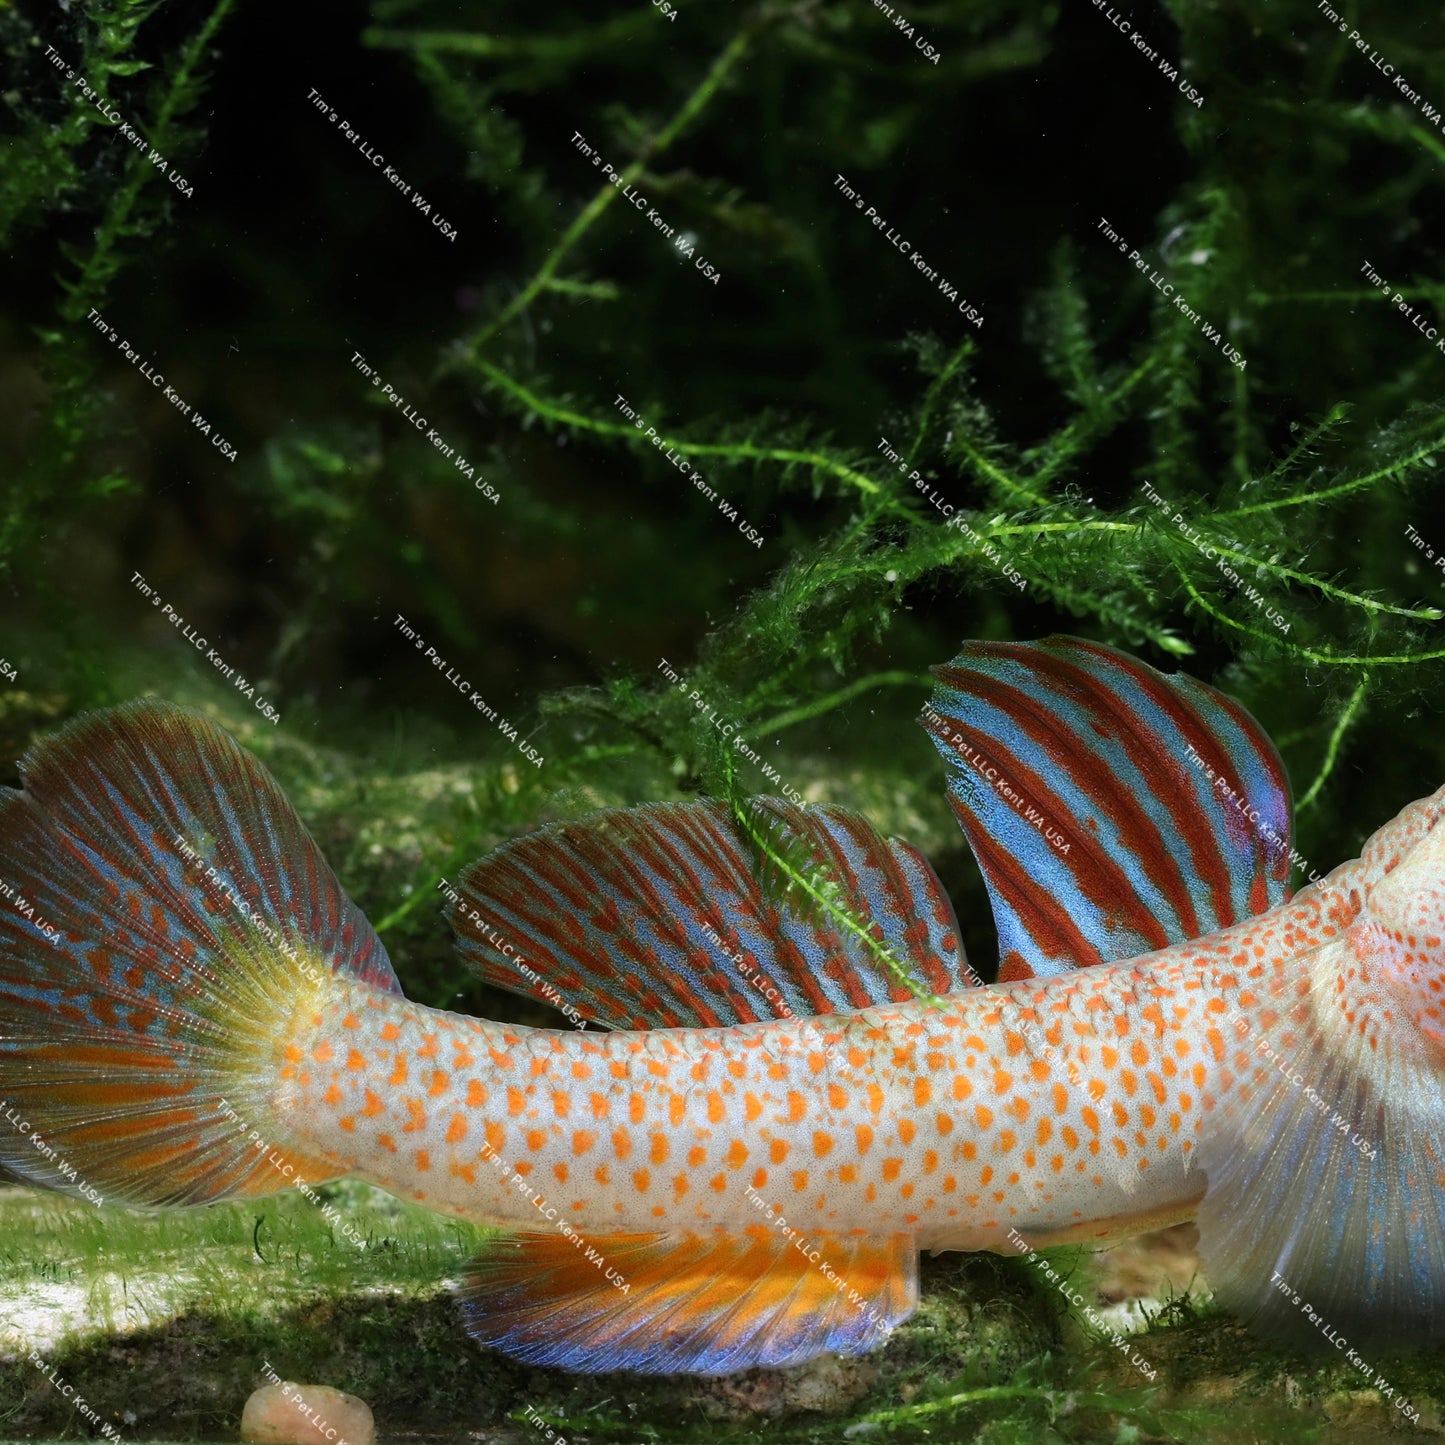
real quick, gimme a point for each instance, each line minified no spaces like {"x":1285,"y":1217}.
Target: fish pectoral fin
{"x":707,"y":1304}
{"x":1324,"y":1215}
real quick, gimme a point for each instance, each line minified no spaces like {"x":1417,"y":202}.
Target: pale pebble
{"x":292,"y":1414}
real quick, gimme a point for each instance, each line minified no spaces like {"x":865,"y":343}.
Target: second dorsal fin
{"x":1099,"y":835}
{"x":652,"y":917}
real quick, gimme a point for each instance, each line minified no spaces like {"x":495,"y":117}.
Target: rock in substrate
{"x":290,"y":1414}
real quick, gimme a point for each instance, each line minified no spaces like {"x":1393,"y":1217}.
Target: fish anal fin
{"x":706,"y":1304}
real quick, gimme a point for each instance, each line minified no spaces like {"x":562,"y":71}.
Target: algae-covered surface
{"x":494,"y":412}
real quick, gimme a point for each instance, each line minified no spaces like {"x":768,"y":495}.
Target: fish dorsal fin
{"x":653,"y":917}
{"x":706,"y":1304}
{"x":1100,"y":837}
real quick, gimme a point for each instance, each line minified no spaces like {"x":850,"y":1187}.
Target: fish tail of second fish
{"x":166,"y":923}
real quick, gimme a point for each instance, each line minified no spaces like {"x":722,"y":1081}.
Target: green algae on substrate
{"x":162,"y":1322}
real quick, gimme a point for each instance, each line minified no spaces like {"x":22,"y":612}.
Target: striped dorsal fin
{"x":1113,"y":810}
{"x":653,"y":917}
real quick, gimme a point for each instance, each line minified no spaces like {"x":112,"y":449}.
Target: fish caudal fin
{"x":163,"y":916}
{"x":1114,"y":810}
{"x":705,"y":1304}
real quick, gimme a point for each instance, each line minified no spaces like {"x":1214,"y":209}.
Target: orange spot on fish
{"x":458,"y":1130}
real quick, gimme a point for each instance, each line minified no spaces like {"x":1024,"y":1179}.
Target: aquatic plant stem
{"x":837,"y":699}
{"x":608,"y":192}
{"x":1332,"y":749}
{"x":745,"y":451}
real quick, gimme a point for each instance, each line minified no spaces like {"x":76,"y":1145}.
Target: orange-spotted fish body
{"x":744,"y":1170}
{"x":1062,"y":1109}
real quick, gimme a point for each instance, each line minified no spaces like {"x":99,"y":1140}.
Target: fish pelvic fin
{"x":703,"y":1304}
{"x":165,"y":920}
{"x":1113,"y":810}
{"x":654,"y":917}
